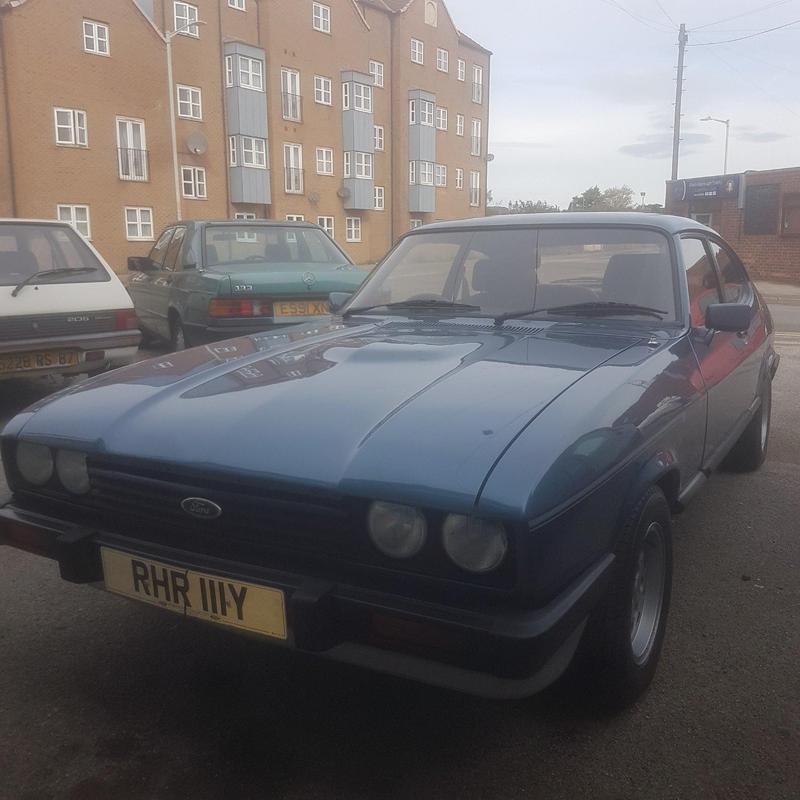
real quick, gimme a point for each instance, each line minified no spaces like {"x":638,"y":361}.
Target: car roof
{"x":665,"y":222}
{"x":272,"y":223}
{"x":21,"y":221}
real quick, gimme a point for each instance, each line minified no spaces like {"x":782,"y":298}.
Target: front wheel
{"x":619,"y":652}
{"x":177,"y":335}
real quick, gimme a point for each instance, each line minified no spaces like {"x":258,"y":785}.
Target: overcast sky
{"x":583,"y":94}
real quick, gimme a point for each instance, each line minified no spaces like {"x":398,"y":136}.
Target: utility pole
{"x":683,"y":38}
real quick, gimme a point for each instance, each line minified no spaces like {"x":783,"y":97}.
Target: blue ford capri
{"x":465,"y":475}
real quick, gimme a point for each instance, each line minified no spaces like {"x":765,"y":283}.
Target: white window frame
{"x":477,"y":84}
{"x":426,"y":173}
{"x":328,"y":224}
{"x":474,"y":189}
{"x":417,"y":51}
{"x":192,"y":103}
{"x":412,"y":173}
{"x":140,"y":223}
{"x":459,"y":178}
{"x":461,"y":122}
{"x":440,"y":175}
{"x":379,"y":135}
{"x":347,"y":164}
{"x":77,"y":127}
{"x":442,"y":60}
{"x":193,"y":182}
{"x":476,"y":143}
{"x":295,"y":217}
{"x":412,"y":112}
{"x":184,"y":14}
{"x":68,"y":212}
{"x":345,"y":96}
{"x":426,"y":113}
{"x":462,"y":69}
{"x":321,"y":17}
{"x":144,"y":174}
{"x":353,"y":229}
{"x":380,"y":198}
{"x":364,"y":164}
{"x":415,"y":222}
{"x":362,"y":97}
{"x":232,"y":152}
{"x":228,"y":71}
{"x":254,"y":152}
{"x":324,"y":158}
{"x":323,"y":90}
{"x":239,"y":5}
{"x":244,"y":215}
{"x":376,"y":69}
{"x":250,"y":78}
{"x":295,"y":185}
{"x":441,"y":118}
{"x":292,"y":104}
{"x":96,"y":38}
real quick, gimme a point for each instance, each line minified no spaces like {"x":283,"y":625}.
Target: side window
{"x":160,"y":248}
{"x":174,"y":249}
{"x":735,"y":288}
{"x":701,"y":278}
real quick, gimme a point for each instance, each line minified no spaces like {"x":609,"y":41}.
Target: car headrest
{"x":642,"y":278}
{"x":212,"y":256}
{"x":20,"y":263}
{"x":278,"y":253}
{"x":481,"y":275}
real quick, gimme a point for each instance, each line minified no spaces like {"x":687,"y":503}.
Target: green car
{"x":204,"y":281}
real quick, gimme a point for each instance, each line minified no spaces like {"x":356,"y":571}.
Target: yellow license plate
{"x":300,"y":308}
{"x":43,"y":359}
{"x":247,"y":606}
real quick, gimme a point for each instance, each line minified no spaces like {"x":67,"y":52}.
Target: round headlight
{"x":476,"y":545}
{"x":397,"y":531}
{"x":35,"y":463}
{"x":72,"y":472}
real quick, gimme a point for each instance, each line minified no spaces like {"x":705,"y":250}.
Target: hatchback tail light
{"x":125,"y":319}
{"x":246,"y":307}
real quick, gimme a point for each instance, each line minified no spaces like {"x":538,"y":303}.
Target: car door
{"x":147,"y":288}
{"x":718,"y":352}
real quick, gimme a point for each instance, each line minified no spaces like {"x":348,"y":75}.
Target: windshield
{"x":497,"y":271}
{"x":26,"y":249}
{"x":267,"y":246}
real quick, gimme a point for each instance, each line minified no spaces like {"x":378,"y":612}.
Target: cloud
{"x":520,"y":144}
{"x":760,"y":136}
{"x":659,"y":145}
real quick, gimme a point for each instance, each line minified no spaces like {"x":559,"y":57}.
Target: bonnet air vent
{"x":418,"y":326}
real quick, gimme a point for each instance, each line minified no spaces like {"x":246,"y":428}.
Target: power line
{"x":743,"y":14}
{"x":654,"y":25}
{"x":666,"y":14}
{"x":749,"y":36}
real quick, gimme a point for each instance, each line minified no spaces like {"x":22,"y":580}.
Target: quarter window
{"x":376,"y":70}
{"x":95,"y":38}
{"x":185,"y":18}
{"x":353,"y":225}
{"x":701,"y":279}
{"x":323,"y":90}
{"x":71,"y":127}
{"x":417,"y":51}
{"x":324,"y":161}
{"x":190,"y":103}
{"x":321,"y":18}
{"x":139,"y":224}
{"x":194,"y":182}
{"x":77,"y":216}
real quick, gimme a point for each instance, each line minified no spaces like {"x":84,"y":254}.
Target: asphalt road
{"x":102,"y":698}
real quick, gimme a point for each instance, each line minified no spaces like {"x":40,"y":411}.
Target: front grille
{"x":32,"y":327}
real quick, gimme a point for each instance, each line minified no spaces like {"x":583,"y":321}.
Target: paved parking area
{"x":101,"y":698}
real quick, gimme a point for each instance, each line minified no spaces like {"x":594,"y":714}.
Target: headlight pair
{"x":399,"y":531}
{"x":36,"y":464}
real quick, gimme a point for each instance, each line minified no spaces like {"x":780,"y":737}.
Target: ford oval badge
{"x":200,"y":508}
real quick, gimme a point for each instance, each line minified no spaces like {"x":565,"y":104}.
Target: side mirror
{"x":733,"y":317}
{"x":139,"y":264}
{"x":336,"y":300}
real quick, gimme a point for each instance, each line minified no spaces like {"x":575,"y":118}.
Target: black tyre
{"x":620,"y":649}
{"x":750,"y":450}
{"x":177,"y":335}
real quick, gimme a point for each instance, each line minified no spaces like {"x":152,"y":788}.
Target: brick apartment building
{"x":367,"y":116}
{"x":758,"y":212}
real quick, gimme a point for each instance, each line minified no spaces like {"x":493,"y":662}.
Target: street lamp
{"x":643,"y":195}
{"x":727,"y":124}
{"x":168,"y":37}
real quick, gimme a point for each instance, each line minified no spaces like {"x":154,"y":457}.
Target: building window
{"x":324,"y":161}
{"x":790,"y":217}
{"x":95,"y":38}
{"x":290,"y":93}
{"x":417,"y":51}
{"x":239,"y":5}
{"x":327,"y":224}
{"x":421,"y":112}
{"x":323,"y":90}
{"x":380,"y":137}
{"x":131,"y":149}
{"x":185,"y":15}
{"x":477,"y":84}
{"x":412,"y":173}
{"x":229,"y":70}
{"x":475,"y":188}
{"x":459,"y":178}
{"x":244,"y":215}
{"x":77,"y":216}
{"x":431,"y":13}
{"x":441,"y":118}
{"x":441,"y":175}
{"x":295,"y":218}
{"x":459,"y":124}
{"x":353,"y":229}
{"x":293,"y":168}
{"x":362,"y":97}
{"x":442,"y":60}
{"x":380,"y":198}
{"x":364,"y":166}
{"x":426,"y":173}
{"x":476,"y":137}
{"x":322,"y":18}
{"x":376,"y":70}
{"x":194,"y":182}
{"x":703,"y":218}
{"x":71,"y":127}
{"x":232,"y":159}
{"x":345,"y":96}
{"x":462,"y":69}
{"x":761,"y":209}
{"x":254,"y":152}
{"x":347,"y":166}
{"x":139,"y":224}
{"x":416,"y":222}
{"x":190,"y":102}
{"x":251,"y":73}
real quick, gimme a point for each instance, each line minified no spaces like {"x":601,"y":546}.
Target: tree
{"x":615,"y":198}
{"x":531,"y":207}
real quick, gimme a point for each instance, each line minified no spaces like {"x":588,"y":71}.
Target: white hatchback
{"x":62,"y":308}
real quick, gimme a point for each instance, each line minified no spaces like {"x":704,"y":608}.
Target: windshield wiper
{"x":415,"y":304}
{"x":594,"y":308}
{"x":60,"y":271}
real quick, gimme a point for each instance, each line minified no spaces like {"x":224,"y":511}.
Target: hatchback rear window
{"x":27,"y":250}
